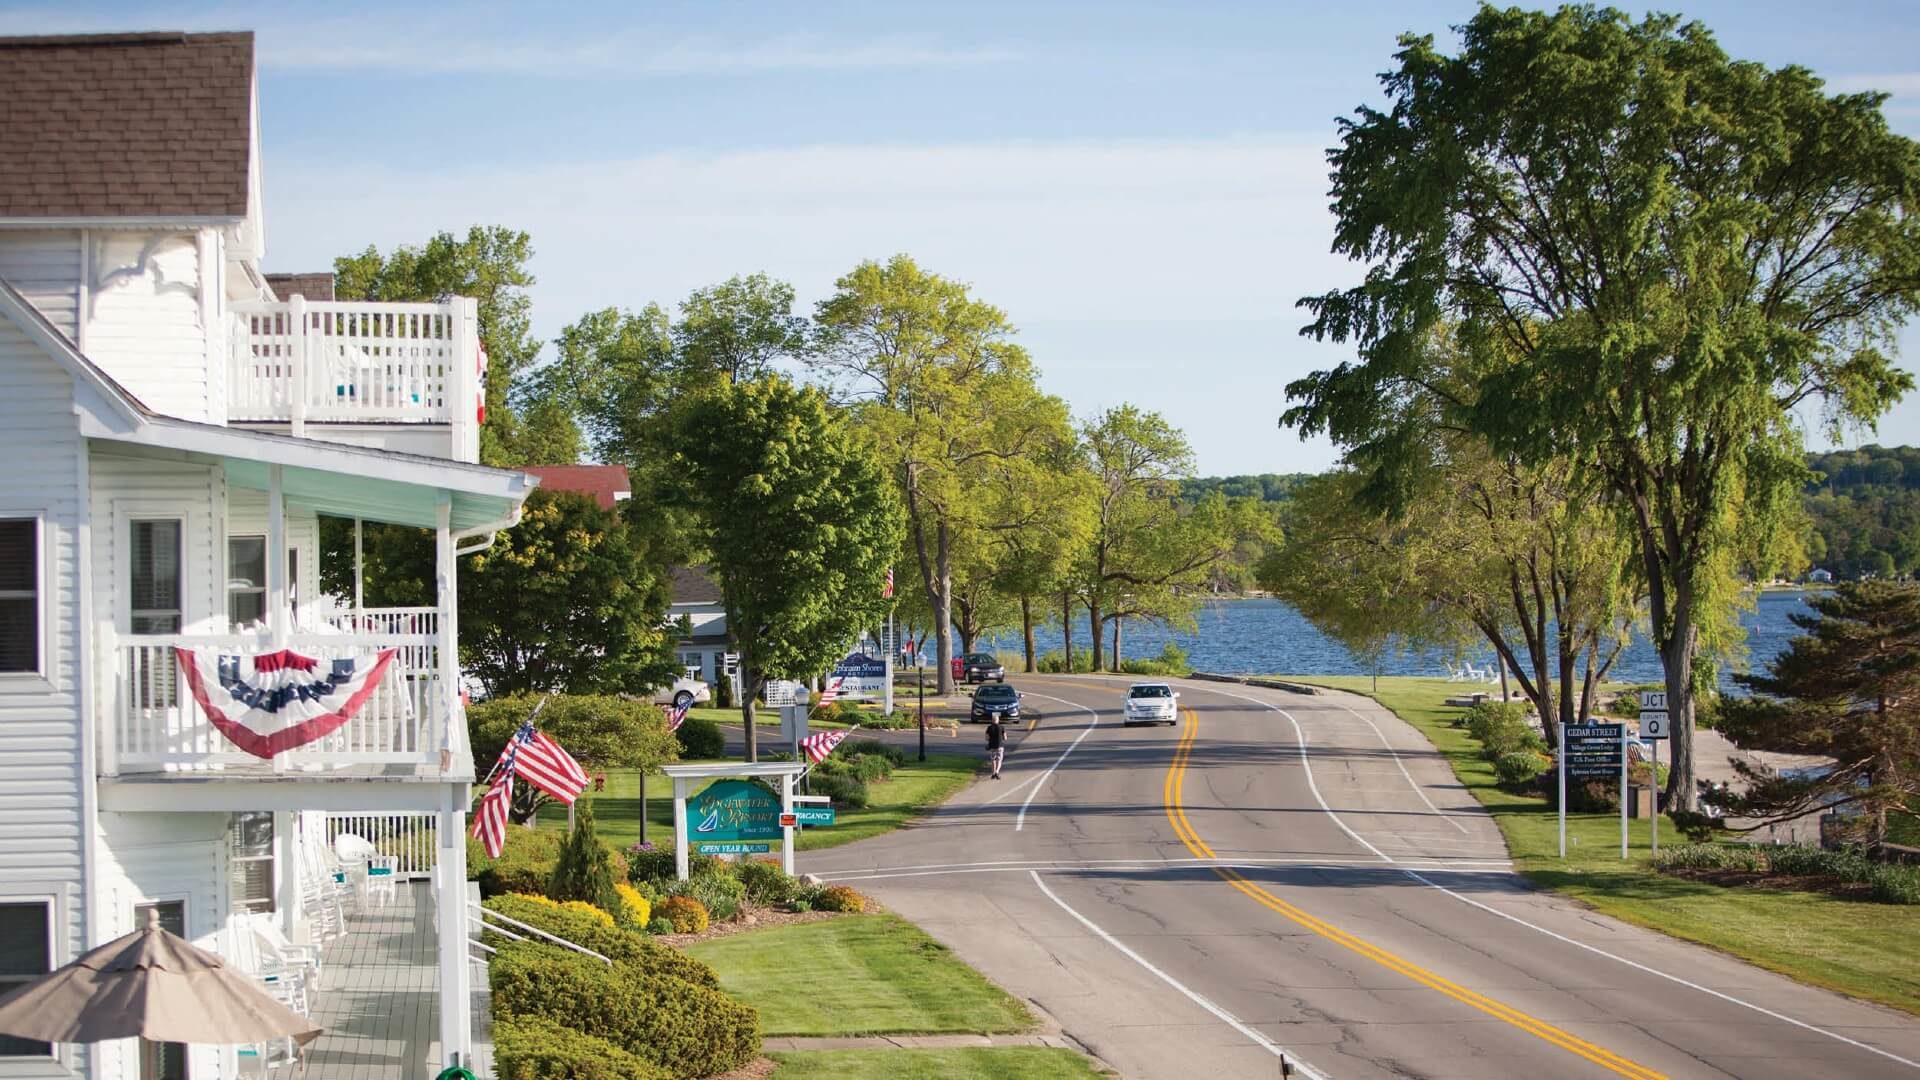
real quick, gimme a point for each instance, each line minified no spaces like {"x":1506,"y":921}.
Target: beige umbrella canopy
{"x":152,"y":984}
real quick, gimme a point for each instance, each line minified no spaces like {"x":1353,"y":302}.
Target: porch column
{"x":279,"y":619}
{"x":286,"y":871}
{"x":359,"y":577}
{"x":450,"y":901}
{"x":449,"y":591}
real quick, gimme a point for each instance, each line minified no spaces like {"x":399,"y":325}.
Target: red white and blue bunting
{"x":272,"y":702}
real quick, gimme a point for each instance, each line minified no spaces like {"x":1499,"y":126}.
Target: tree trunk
{"x":1677,"y":658}
{"x":1504,"y":694}
{"x":1066,"y":629}
{"x":1114,"y":660}
{"x":1095,"y":624}
{"x":1026,"y":628}
{"x":754,"y":686}
{"x":943,"y":606}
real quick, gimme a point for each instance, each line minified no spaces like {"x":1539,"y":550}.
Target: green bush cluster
{"x":1054,"y":662}
{"x":1520,"y":767}
{"x":584,"y":869}
{"x":722,"y":895}
{"x":1172,"y":661}
{"x":688,"y":916}
{"x":534,"y":1048}
{"x":526,"y":863}
{"x":765,"y":883}
{"x":1517,"y":752}
{"x":898,"y":720}
{"x":627,"y":946}
{"x":1889,"y":883}
{"x":701,"y":739}
{"x":874,"y":748}
{"x":723,"y":888}
{"x":685,"y":1029}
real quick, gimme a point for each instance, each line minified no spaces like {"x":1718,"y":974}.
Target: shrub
{"x":639,"y":908}
{"x":720,"y":894}
{"x":524,"y":866}
{"x":1710,"y":857}
{"x":659,"y":925}
{"x":626,"y":946}
{"x":870,"y":768}
{"x":533,"y":1048}
{"x":868,"y":747}
{"x":722,"y":691}
{"x":1894,"y":884}
{"x":834,"y":712}
{"x":1693,"y":825}
{"x":1172,"y":661}
{"x":801,"y":904}
{"x":765,"y":883}
{"x":584,"y":870}
{"x":1054,"y":662}
{"x":701,"y":739}
{"x":583,"y":908}
{"x":898,"y":720}
{"x":839,"y":898}
{"x":684,"y":913}
{"x":1485,"y":717}
{"x":843,"y":789}
{"x":686,"y":1029}
{"x":1520,"y":767}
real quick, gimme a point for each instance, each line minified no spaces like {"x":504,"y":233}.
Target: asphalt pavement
{"x":1296,"y":876}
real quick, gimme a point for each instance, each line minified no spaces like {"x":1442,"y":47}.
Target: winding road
{"x":1301,"y":877}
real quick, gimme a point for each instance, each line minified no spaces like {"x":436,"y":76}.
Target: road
{"x":1298,"y":875}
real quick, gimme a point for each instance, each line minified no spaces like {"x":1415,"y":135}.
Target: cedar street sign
{"x":1594,"y":750}
{"x":734,"y":810}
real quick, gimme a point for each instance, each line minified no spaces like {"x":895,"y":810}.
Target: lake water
{"x":1258,"y":636}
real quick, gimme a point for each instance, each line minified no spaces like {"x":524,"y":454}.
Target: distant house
{"x":697,"y":596}
{"x":1821,"y":577}
{"x":608,"y":484}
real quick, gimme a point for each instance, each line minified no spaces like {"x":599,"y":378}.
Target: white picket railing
{"x":156,"y":724}
{"x":349,"y":361}
{"x":385,"y":621}
{"x":410,"y":838}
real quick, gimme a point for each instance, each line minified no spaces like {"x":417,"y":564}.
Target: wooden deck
{"x":380,"y":993}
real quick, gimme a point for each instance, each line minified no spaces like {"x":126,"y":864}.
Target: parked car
{"x":995,"y":703}
{"x":1152,"y":703}
{"x":982,"y":667}
{"x":682,"y":692}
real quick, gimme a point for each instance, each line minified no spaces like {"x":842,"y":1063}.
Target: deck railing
{"x":398,"y":620}
{"x":342,"y":361}
{"x":157,"y":726}
{"x":410,"y":838}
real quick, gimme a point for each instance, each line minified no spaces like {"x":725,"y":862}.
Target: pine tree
{"x":1848,"y":689}
{"x":584,"y":870}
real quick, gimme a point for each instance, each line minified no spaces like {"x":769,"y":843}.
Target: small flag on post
{"x":541,"y":762}
{"x":817,"y":747}
{"x":676,"y":715}
{"x":490,"y":821}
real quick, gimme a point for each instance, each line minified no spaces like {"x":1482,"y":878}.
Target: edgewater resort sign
{"x":735,"y":810}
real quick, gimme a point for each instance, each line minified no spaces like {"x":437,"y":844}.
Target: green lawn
{"x":1865,"y":949}
{"x":915,"y":787}
{"x":858,"y":975}
{"x":971,"y":1063}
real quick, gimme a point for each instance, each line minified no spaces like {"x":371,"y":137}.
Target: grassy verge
{"x":1868,"y":950}
{"x":915,"y":787}
{"x":970,"y":1063}
{"x":860,"y":975}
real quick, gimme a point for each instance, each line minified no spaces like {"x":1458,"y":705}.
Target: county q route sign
{"x":1653,"y":714}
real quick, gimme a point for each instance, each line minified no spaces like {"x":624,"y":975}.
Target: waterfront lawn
{"x":858,"y":975}
{"x":1865,"y":949}
{"x":964,"y":1063}
{"x":916,"y":786}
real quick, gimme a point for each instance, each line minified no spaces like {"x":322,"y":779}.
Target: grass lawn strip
{"x":915,"y":787}
{"x":859,"y":975}
{"x":969,"y":1063}
{"x":1865,"y":949}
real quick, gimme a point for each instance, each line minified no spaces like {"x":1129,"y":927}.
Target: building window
{"x":19,"y":595}
{"x":26,"y":937}
{"x":247,"y":580}
{"x":250,"y":860}
{"x":155,"y":550}
{"x":163,"y":1061}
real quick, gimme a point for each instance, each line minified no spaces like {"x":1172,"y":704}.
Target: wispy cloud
{"x":414,"y":42}
{"x":1898,"y":82}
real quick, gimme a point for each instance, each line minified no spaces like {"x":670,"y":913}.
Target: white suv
{"x":1152,"y":703}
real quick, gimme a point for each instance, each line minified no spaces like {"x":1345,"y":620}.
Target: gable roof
{"x":126,"y":125}
{"x":602,"y":482}
{"x":314,"y":286}
{"x":693,"y":585}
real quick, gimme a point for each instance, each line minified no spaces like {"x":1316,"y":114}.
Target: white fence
{"x":156,"y":724}
{"x":410,"y":838}
{"x":385,"y":621}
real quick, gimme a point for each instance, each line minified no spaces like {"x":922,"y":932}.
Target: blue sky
{"x":1140,"y":186}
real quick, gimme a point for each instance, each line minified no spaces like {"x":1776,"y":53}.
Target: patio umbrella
{"x":152,"y":984}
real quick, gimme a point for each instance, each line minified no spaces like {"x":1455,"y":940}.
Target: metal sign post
{"x":1563,"y":789}
{"x":1623,"y":790}
{"x":1653,"y":731}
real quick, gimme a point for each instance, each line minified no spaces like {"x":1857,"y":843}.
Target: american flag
{"x":817,"y":747}
{"x":490,"y":821}
{"x":887,"y":593}
{"x":542,"y":763}
{"x":676,"y":715}
{"x":831,"y":690}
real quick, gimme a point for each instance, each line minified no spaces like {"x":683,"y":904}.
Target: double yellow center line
{"x":1183,"y":828}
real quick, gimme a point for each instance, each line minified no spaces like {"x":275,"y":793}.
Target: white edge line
{"x":1143,"y":868}
{"x":1002,"y":795}
{"x":1232,"y":1021}
{"x":1218,"y":860}
{"x":1020,"y":822}
{"x":1395,"y":754}
{"x":1300,"y":738}
{"x":1670,"y":978}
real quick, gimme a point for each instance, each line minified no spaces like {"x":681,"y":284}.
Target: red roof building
{"x":608,"y":484}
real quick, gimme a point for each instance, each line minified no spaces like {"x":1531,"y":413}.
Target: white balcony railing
{"x":342,"y":361}
{"x":397,"y":620}
{"x":157,"y":726}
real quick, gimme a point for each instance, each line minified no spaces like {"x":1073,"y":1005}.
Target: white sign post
{"x":1563,"y":789}
{"x":1653,"y":729}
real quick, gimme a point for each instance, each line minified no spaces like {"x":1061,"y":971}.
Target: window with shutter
{"x":155,"y":549}
{"x":25,"y":940}
{"x":19,"y":595}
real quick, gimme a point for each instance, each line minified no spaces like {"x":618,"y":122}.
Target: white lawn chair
{"x":383,"y":875}
{"x":287,"y":982}
{"x":282,"y":953}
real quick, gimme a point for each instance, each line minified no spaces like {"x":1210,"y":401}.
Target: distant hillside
{"x":1866,"y":511}
{"x":1267,"y":487}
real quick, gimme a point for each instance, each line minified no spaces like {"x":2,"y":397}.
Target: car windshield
{"x":980,"y":658}
{"x":1152,"y":691}
{"x":996,"y":692}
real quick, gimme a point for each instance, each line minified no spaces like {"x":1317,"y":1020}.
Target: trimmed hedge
{"x":1889,"y":883}
{"x":526,"y":862}
{"x":721,"y":894}
{"x":688,"y":1030}
{"x":766,"y":884}
{"x":530,"y":1048}
{"x":701,"y":738}
{"x":1520,"y":767}
{"x":688,"y":916}
{"x":625,"y":946}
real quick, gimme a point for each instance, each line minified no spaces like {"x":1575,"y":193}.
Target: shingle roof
{"x":126,"y":125}
{"x":603,"y":482}
{"x":693,"y":585}
{"x":313,"y":286}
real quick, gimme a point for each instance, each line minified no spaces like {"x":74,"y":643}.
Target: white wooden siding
{"x":42,"y":847}
{"x":145,"y":325}
{"x":247,"y":516}
{"x":44,"y":264}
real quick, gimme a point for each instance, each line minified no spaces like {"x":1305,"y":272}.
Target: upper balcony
{"x":395,"y":376}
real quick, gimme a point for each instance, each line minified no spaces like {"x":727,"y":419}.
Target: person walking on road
{"x":996,"y":746}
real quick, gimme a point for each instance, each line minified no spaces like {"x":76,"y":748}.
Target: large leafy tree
{"x":945,"y":398}
{"x":1677,"y":250}
{"x":488,"y":264}
{"x":1847,"y":689}
{"x":799,"y":523}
